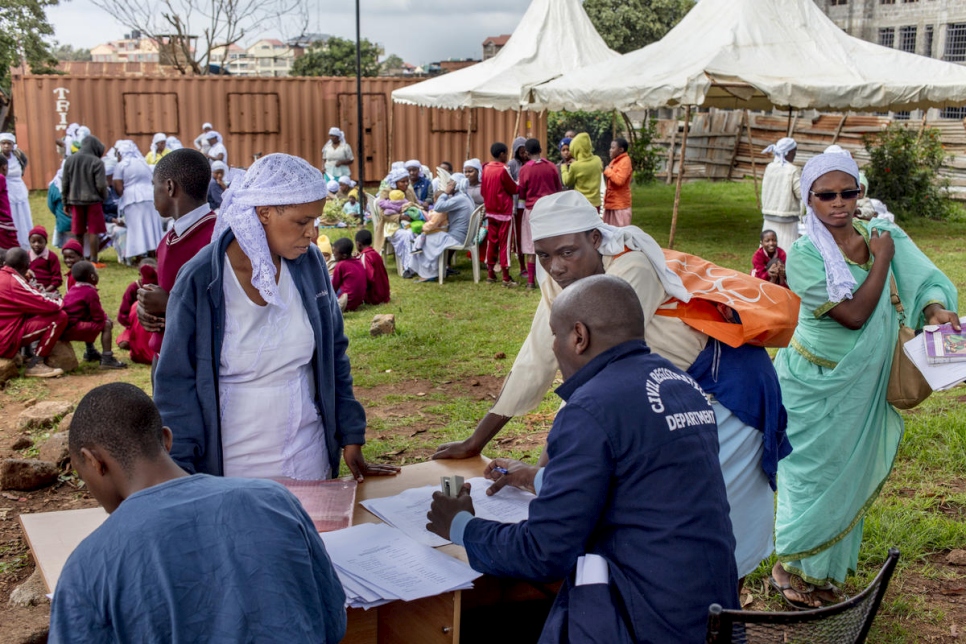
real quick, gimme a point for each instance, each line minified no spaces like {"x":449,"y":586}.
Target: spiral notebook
{"x":329,"y":503}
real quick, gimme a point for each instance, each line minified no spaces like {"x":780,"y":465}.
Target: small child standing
{"x":348,"y":276}
{"x":43,"y":263}
{"x":769,"y":250}
{"x":351,"y":208}
{"x":377,"y":279}
{"x":498,"y":189}
{"x":135,"y":338}
{"x":73,"y":253}
{"x":86,"y":319}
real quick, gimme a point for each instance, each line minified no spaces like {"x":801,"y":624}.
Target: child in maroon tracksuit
{"x":498,"y":188}
{"x":43,"y":263}
{"x":86,"y":319}
{"x":348,"y":276}
{"x":538,"y":178}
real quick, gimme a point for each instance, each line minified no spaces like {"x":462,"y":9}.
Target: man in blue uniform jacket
{"x":632,"y":482}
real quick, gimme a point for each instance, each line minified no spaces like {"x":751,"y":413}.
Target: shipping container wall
{"x":255,"y":116}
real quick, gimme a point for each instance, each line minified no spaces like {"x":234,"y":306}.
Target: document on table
{"x":378,"y":563}
{"x":939,"y":376}
{"x":407,"y":511}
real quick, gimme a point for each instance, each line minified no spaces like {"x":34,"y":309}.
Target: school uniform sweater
{"x":46,"y":268}
{"x":498,"y":188}
{"x":538,"y":179}
{"x":18,"y":302}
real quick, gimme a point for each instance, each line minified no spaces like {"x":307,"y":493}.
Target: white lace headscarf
{"x":568,"y":212}
{"x":462,"y":183}
{"x":173,"y":143}
{"x":128,"y":149}
{"x":838,"y":279}
{"x":781,"y":148}
{"x":212,"y":133}
{"x":475,"y":163}
{"x":158,"y":138}
{"x":220,"y":165}
{"x":334,"y":131}
{"x":395,"y":176}
{"x":273,"y":180}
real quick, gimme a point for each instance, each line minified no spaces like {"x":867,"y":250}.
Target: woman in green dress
{"x":834,"y":377}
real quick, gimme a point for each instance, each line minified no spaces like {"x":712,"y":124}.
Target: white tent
{"x":553,"y":37}
{"x":757,"y":54}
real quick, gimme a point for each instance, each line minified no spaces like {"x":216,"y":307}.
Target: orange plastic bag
{"x":735,"y":308}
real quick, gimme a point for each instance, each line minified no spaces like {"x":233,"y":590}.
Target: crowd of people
{"x":239,"y":309}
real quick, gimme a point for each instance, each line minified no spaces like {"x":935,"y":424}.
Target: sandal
{"x":838,"y":596}
{"x":782,"y":588}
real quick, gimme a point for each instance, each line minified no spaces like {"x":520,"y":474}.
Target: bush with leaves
{"x":904,"y":172}
{"x":599,"y":125}
{"x":645,"y":156}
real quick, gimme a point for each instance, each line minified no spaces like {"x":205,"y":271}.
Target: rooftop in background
{"x":493,"y":45}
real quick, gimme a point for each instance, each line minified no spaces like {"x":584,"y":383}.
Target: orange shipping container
{"x":257,"y":115}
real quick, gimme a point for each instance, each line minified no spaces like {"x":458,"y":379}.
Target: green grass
{"x":454,"y":332}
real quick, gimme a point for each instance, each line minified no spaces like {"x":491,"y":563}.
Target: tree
{"x":392,"y":64}
{"x":628,"y":25}
{"x":66,"y":52}
{"x":24,"y":30}
{"x":194,"y":34}
{"x":337,"y":57}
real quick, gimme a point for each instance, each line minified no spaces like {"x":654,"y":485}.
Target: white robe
{"x":19,"y":201}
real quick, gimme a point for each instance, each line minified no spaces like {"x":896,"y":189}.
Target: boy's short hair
{"x":622,"y":143}
{"x":119,"y":418}
{"x":533,"y":146}
{"x":187,"y":168}
{"x":82,"y":271}
{"x":766,"y":232}
{"x":343,"y":245}
{"x":447,"y":165}
{"x":364,"y":238}
{"x":498,"y":149}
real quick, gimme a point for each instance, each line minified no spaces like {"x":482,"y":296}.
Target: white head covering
{"x":838,"y":279}
{"x":395,"y":176}
{"x":220,"y":165}
{"x":334,"y":131}
{"x":209,"y":135}
{"x":82,"y":133}
{"x":475,"y":163}
{"x":72,"y":129}
{"x":273,"y":180}
{"x":207,"y":125}
{"x":462,"y":183}
{"x":128,"y":149}
{"x":173,"y":143}
{"x":7,"y":136}
{"x":347,"y":181}
{"x":781,"y":148}
{"x":332,"y":186}
{"x":109,"y":161}
{"x":160,"y":136}
{"x":413,"y":163}
{"x":569,"y":212}
{"x":837,"y":149}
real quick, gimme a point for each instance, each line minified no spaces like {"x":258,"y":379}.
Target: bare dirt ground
{"x":936,"y":611}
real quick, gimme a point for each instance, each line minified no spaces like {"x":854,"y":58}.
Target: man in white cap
{"x":572,"y":243}
{"x":781,"y":193}
{"x":201,"y":141}
{"x":159,"y":149}
{"x":16,"y":188}
{"x":216,"y":148}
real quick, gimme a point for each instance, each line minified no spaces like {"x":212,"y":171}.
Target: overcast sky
{"x":419,"y":31}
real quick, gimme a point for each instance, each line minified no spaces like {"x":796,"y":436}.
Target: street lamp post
{"x":360,"y":141}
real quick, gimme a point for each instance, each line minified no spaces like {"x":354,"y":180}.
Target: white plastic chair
{"x":468,"y":244}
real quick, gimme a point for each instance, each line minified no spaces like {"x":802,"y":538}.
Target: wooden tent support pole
{"x":751,"y":151}
{"x":677,"y":188}
{"x":670,"y":154}
{"x":922,"y":127}
{"x":469,"y":130}
{"x":391,"y":110}
{"x":791,"y":122}
{"x":734,"y":152}
{"x":516,"y":128}
{"x":838,"y":130}
{"x":631,"y":132}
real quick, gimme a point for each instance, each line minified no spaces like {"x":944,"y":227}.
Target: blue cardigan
{"x":186,"y":381}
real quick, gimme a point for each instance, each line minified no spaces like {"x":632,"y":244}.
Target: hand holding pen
{"x":506,"y":471}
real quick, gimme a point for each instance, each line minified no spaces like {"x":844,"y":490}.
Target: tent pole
{"x":516,"y":127}
{"x":392,"y":109}
{"x":677,"y":189}
{"x":751,"y":150}
{"x":670,"y":152}
{"x":791,"y":123}
{"x":922,"y":127}
{"x":838,"y":132}
{"x":469,"y":130}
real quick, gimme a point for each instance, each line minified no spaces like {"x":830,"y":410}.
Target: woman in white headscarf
{"x":159,"y":149}
{"x":781,"y":193}
{"x":17,"y":189}
{"x":834,"y":377}
{"x":458,"y":208}
{"x":337,"y":156}
{"x":133,"y":184}
{"x":473,"y":170}
{"x":216,"y":148}
{"x":201,"y":141}
{"x":253,"y":378}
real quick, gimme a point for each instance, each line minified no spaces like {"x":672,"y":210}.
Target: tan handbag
{"x":907,"y":387}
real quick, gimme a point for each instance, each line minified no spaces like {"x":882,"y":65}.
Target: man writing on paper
{"x":632,"y":481}
{"x":571,"y":244}
{"x":185,"y":558}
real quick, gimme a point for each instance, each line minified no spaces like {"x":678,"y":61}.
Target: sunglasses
{"x":847,"y":195}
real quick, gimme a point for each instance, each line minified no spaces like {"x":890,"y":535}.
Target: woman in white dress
{"x":17,"y":189}
{"x":132,"y":182}
{"x":253,"y":378}
{"x":337,"y":156}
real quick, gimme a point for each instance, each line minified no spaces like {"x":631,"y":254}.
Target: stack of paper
{"x":939,"y":376}
{"x":328,"y":503}
{"x":407,"y":511}
{"x":377,"y":563}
